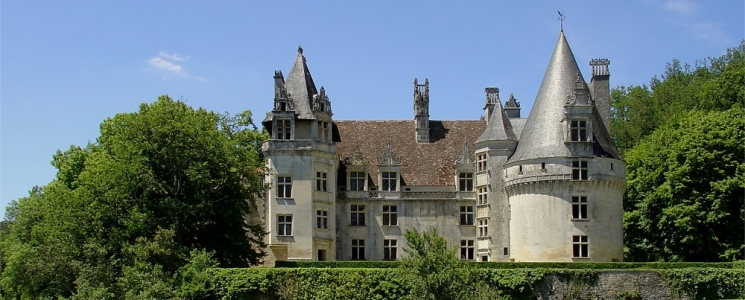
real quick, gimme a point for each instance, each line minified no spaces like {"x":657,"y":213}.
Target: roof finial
{"x":300,"y":49}
{"x":561,"y":21}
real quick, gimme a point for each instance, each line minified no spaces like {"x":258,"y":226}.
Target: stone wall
{"x":626,"y":284}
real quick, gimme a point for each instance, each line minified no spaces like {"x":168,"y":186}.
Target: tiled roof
{"x":430,"y":164}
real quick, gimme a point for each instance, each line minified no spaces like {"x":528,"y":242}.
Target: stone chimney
{"x":600,"y":88}
{"x":512,"y":108}
{"x":421,"y":111}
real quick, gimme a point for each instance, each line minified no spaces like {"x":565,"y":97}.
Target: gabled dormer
{"x":357,"y":168}
{"x":389,"y":171}
{"x":578,"y":121}
{"x":283,"y":114}
{"x":465,"y":167}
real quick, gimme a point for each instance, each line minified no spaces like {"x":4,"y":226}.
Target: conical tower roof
{"x":499,"y":127}
{"x":543,"y":134}
{"x":301,"y":87}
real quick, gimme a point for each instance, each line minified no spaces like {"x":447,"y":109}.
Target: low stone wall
{"x":621,"y":284}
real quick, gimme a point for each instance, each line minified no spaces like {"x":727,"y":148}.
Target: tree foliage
{"x":714,"y":84}
{"x":436,"y":271}
{"x":123,"y":215}
{"x":682,"y":136}
{"x":686,"y":182}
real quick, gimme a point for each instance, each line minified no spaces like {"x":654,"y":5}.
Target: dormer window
{"x":284,"y":130}
{"x":465,"y":182}
{"x":356,"y":181}
{"x":389,"y":181}
{"x":578,"y":130}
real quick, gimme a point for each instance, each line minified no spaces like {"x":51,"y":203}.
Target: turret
{"x":421,"y":111}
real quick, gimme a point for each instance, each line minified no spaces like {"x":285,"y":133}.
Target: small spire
{"x":300,"y":49}
{"x":561,"y":21}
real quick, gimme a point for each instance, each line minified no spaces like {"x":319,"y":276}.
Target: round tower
{"x":565,"y":181}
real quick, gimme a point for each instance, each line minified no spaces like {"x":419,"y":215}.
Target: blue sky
{"x":65,"y":66}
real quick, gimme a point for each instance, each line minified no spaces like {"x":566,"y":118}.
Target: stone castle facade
{"x":544,"y":188}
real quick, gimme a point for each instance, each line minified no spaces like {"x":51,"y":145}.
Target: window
{"x":611,"y":166}
{"x":356,"y":181}
{"x":465,"y":182}
{"x":579,"y":170}
{"x":506,"y":251}
{"x":389,"y":181}
{"x":390,"y":216}
{"x":481,"y":162}
{"x":358,"y":215}
{"x":389,"y":249}
{"x":284,"y":186}
{"x":578,"y":130}
{"x":466,"y":215}
{"x":484,"y":258}
{"x":322,"y":219}
{"x":543,"y":166}
{"x":482,"y":195}
{"x":579,"y":207}
{"x":466,"y":249}
{"x":320,"y":181}
{"x":358,"y":249}
{"x":323,"y":129}
{"x":483,"y":228}
{"x":580,"y":246}
{"x":284,"y":225}
{"x":284,"y":130}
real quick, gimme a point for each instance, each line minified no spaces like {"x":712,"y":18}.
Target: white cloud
{"x":167,"y":66}
{"x":173,"y":56}
{"x":680,"y":6}
{"x":711,"y":32}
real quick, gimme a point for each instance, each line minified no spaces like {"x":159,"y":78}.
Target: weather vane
{"x":561,"y":21}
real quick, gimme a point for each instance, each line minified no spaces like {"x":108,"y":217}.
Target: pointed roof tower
{"x":544,"y":131}
{"x":498,"y":127}
{"x":300,"y":85}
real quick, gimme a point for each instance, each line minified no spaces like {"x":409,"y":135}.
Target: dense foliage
{"x":161,"y":196}
{"x":684,"y":140}
{"x":714,"y":84}
{"x":354,"y":264}
{"x":360,"y":283}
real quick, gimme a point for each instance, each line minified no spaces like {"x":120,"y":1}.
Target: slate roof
{"x":499,"y":127}
{"x":300,"y":85}
{"x":430,"y":164}
{"x":543,"y":134}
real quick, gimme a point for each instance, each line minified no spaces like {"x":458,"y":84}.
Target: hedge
{"x":518,"y":265}
{"x":390,"y":283}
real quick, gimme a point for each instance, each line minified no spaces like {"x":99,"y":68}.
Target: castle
{"x":544,"y":188}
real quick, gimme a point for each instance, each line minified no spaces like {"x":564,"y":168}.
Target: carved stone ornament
{"x":389,"y":157}
{"x":465,"y":156}
{"x":357,"y":159}
{"x":512,"y":102}
{"x":321,"y":101}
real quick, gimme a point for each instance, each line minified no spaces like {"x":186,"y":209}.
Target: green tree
{"x":437,"y":269}
{"x":123,"y":215}
{"x":685,"y":187}
{"x":714,"y":84}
